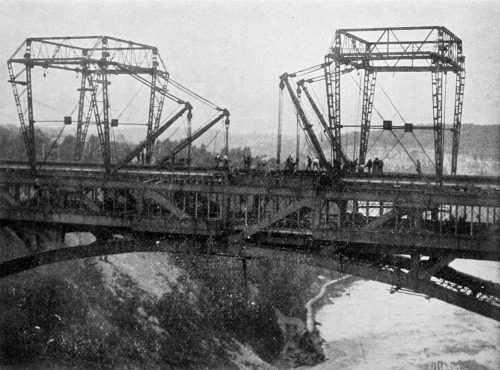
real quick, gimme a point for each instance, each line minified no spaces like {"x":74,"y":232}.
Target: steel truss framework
{"x":95,"y":58}
{"x":377,"y":50}
{"x":400,"y":49}
{"x":358,"y":223}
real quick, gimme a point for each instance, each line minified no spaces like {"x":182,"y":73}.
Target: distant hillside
{"x":480,"y":141}
{"x":475,"y":140}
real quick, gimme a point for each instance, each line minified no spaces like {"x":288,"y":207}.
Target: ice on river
{"x":369,"y":328}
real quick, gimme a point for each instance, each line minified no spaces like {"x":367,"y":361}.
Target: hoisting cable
{"x":371,"y":146}
{"x":308,"y":70}
{"x":303,"y":147}
{"x":214,"y":138}
{"x":423,"y":149}
{"x":114,"y":143}
{"x":311,"y":146}
{"x":390,"y":150}
{"x":359,"y":87}
{"x":425,"y":152}
{"x":320,"y":105}
{"x":148,"y":83}
{"x":402,"y":146}
{"x":52,"y":147}
{"x":76,"y":106}
{"x":130,"y":102}
{"x":390,"y":101}
{"x":169,"y":116}
{"x":194,"y":95}
{"x":48,"y":106}
{"x":177,"y":129}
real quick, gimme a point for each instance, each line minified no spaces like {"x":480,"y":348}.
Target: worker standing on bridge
{"x":217,"y":161}
{"x":380,"y":166}
{"x":369,"y":165}
{"x":288,"y":163}
{"x":248,"y":161}
{"x":419,"y":167}
{"x":316,"y":164}
{"x":354,"y":168}
{"x":263,"y":163}
{"x":226,"y":162}
{"x":375,"y":165}
{"x":309,"y":163}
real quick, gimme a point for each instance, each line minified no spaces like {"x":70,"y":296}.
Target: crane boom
{"x":334,"y":142}
{"x":196,"y":135}
{"x":151,"y":138}
{"x":305,"y":123}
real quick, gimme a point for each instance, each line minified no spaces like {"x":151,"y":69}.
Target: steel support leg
{"x":333,"y":98}
{"x":82,"y":127}
{"x":437,"y":108}
{"x":457,"y":118}
{"x":366,"y":115}
{"x":151,"y":115}
{"x":30,"y":150}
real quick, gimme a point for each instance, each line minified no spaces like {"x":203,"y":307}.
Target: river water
{"x":369,"y":328}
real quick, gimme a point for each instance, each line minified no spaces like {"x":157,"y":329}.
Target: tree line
{"x":49,"y":149}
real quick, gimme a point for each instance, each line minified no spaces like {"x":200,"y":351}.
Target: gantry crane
{"x":395,"y":49}
{"x":95,"y":59}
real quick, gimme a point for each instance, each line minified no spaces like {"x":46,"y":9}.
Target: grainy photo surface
{"x":249,"y":184}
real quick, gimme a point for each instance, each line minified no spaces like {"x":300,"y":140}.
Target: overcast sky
{"x":232,"y":52}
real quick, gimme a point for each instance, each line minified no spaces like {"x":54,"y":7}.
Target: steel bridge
{"x":399,"y":229}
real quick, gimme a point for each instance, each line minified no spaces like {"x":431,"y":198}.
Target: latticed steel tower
{"x":398,"y":49}
{"x":94,"y":59}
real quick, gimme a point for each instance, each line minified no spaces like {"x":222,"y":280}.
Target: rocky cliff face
{"x":153,"y":310}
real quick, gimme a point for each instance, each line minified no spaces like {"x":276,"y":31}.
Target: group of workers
{"x":261,"y":163}
{"x":225,"y":161}
{"x":375,"y":166}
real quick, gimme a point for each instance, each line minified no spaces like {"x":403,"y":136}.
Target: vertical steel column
{"x":330,"y":101}
{"x":366,"y":115}
{"x":98,"y":122}
{"x":196,"y":205}
{"x":152,"y":99}
{"x":333,"y":93}
{"x":297,"y":146}
{"x":457,"y":117}
{"x":280,"y":124}
{"x":105,"y":103}
{"x":226,"y":137}
{"x":30,"y":150}
{"x":29,"y":92}
{"x":189,"y":118}
{"x":246,"y":210}
{"x":336,"y":122}
{"x":437,"y":107}
{"x":82,"y":127}
{"x":79,"y":125}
